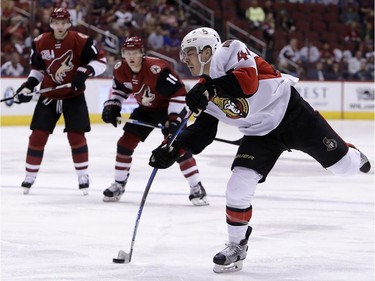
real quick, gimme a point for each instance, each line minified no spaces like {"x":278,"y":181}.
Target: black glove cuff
{"x":114,"y":102}
{"x":208,"y":79}
{"x":88,"y":70}
{"x":208,"y":83}
{"x":31,"y":83}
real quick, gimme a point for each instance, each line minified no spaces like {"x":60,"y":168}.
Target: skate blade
{"x":200,"y":201}
{"x":26,"y":190}
{"x":111,"y":199}
{"x":233,"y":267}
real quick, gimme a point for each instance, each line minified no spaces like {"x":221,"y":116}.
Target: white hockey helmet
{"x":200,"y":38}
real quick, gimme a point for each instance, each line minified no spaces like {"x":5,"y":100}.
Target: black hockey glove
{"x":79,"y":79}
{"x":25,"y":89}
{"x":171,"y":126}
{"x":197,"y":98}
{"x":111,"y":110}
{"x":163,"y":157}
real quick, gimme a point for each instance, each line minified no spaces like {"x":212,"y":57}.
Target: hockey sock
{"x":189,"y":169}
{"x":80,"y":154}
{"x":238,"y":220}
{"x":35,"y":151}
{"x":125,"y":149}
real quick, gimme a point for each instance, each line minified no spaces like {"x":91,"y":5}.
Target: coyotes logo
{"x":60,"y":66}
{"x":144,"y":96}
{"x":233,"y":108}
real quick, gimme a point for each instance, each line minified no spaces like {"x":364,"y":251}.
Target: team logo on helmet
{"x":59,"y":67}
{"x":60,"y":13}
{"x":233,"y":108}
{"x":134,"y":42}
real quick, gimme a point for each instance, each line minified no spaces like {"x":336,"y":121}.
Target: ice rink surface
{"x":308,"y":225}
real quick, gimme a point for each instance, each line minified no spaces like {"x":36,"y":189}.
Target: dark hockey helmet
{"x":60,"y":14}
{"x":132,"y":43}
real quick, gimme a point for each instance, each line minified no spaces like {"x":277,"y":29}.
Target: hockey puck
{"x":116,"y":260}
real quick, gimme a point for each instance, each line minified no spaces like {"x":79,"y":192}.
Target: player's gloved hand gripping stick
{"x":124,"y":257}
{"x":31,"y":93}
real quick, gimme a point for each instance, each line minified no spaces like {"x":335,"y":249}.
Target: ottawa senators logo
{"x":233,"y":108}
{"x":60,"y":66}
{"x":331,"y":144}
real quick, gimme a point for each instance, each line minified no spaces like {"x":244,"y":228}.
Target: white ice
{"x":308,"y":224}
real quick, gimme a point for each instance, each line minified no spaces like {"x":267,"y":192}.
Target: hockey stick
{"x":160,"y":126}
{"x":141,"y":123}
{"x":182,"y":114}
{"x":124,"y":257}
{"x":45,"y":90}
{"x":235,"y":142}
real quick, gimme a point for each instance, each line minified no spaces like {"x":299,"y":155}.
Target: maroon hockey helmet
{"x":132,"y":43}
{"x":60,"y":14}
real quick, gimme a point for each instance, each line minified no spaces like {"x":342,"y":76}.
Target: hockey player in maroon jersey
{"x":240,"y":88}
{"x":59,"y":57}
{"x":161,"y":97}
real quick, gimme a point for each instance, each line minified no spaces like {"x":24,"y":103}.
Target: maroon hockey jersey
{"x":156,"y":87}
{"x":58,"y":60}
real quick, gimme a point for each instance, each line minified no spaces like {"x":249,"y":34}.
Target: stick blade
{"x":122,"y":257}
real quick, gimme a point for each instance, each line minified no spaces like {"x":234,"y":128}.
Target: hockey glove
{"x":111,"y":111}
{"x":171,"y":126}
{"x":197,"y":98}
{"x":164,"y":157}
{"x":79,"y":79}
{"x":23,"y":92}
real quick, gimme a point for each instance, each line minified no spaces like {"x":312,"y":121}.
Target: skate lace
{"x":115,"y":187}
{"x":232,"y":249}
{"x":83,"y":179}
{"x":196,"y":189}
{"x":29,"y":179}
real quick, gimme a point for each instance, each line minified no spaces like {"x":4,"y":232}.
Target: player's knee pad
{"x":241,"y":187}
{"x":347,"y":165}
{"x":38,"y":139}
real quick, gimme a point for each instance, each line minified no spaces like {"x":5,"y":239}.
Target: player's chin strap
{"x":202,"y":64}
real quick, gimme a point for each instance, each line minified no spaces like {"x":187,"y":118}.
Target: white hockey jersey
{"x":265,"y":91}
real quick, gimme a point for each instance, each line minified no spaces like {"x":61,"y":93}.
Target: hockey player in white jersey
{"x":240,"y":88}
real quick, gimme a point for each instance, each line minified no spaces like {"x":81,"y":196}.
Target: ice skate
{"x":230,"y":259}
{"x":84,"y":183}
{"x":198,"y":195}
{"x":365,"y":165}
{"x":115,"y":191}
{"x":27,"y":183}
